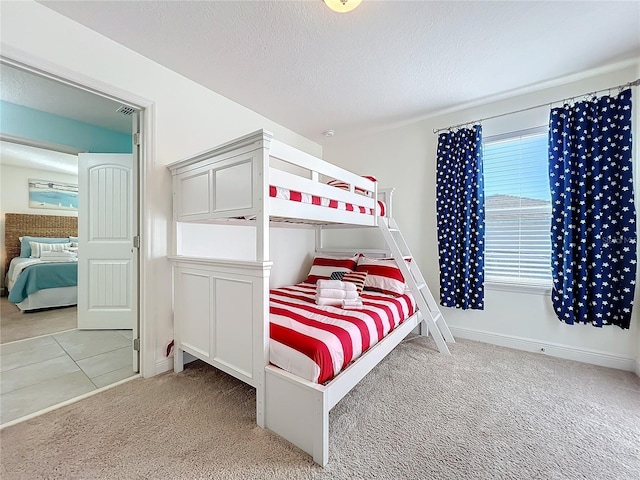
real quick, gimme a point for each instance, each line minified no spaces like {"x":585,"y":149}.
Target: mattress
{"x":317,"y":343}
{"x":292,"y":195}
{"x":29,"y":275}
{"x":50,"y":298}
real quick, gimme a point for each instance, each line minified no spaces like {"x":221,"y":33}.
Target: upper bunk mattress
{"x":292,"y":195}
{"x":318,"y":342}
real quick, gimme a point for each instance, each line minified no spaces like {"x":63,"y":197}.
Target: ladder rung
{"x":394,"y":230}
{"x":437,"y":316}
{"x":421,"y":286}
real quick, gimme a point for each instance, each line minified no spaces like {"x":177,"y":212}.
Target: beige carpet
{"x":18,"y":325}
{"x":486,"y":412}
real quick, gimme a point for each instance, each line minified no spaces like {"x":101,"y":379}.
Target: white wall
{"x":14,"y":196}
{"x":404,"y":157}
{"x":188,"y":119}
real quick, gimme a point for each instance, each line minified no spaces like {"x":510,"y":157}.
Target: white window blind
{"x":517,"y":209}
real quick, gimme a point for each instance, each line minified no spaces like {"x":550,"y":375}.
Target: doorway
{"x":44,"y":368}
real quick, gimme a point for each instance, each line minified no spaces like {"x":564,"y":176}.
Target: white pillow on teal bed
{"x":25,"y":248}
{"x":37,"y":248}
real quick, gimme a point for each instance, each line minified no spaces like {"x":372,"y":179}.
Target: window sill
{"x":518,"y":288}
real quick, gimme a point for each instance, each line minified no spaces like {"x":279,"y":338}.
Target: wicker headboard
{"x":19,"y":224}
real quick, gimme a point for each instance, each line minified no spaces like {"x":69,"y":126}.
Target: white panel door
{"x":107,"y":258}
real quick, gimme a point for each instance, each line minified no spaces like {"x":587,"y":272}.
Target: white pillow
{"x":37,"y":248}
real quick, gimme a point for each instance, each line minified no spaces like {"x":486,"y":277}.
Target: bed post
{"x":178,"y":353}
{"x":319,"y":243}
{"x":298,"y":411}
{"x":261,"y":196}
{"x":261,"y":303}
{"x":386,"y":195}
{"x":320,"y":419}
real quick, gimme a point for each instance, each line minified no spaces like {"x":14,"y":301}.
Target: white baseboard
{"x":164,"y":365}
{"x":638,"y":367}
{"x":555,"y":350}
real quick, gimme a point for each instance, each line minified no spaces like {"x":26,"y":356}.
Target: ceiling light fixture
{"x":342,"y":6}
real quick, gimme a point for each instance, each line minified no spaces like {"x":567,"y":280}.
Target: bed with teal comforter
{"x":42,"y":276}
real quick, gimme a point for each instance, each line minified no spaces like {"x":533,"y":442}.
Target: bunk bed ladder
{"x":433,"y":318}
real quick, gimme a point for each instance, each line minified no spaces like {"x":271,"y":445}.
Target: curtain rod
{"x":635,"y":83}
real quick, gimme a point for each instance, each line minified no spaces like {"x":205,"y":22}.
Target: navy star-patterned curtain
{"x":593,"y":231}
{"x":460,"y":218}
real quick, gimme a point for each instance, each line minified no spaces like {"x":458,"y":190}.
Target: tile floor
{"x":17,"y":325}
{"x":40,"y":372}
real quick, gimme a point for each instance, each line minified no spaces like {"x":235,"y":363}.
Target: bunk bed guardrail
{"x":233,"y":180}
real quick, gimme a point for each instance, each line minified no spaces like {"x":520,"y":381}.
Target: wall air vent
{"x":125,"y":110}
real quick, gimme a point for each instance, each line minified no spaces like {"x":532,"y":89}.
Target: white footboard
{"x":221,"y":314}
{"x":298,"y":410}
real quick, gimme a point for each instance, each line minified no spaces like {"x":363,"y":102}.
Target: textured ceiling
{"x":37,"y":158}
{"x":40,"y":93}
{"x":311,"y":69}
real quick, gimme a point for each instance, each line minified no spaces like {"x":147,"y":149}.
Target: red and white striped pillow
{"x":346,"y":186}
{"x":383,"y":275}
{"x":358,"y":278}
{"x":323,"y":266}
{"x":339,"y":184}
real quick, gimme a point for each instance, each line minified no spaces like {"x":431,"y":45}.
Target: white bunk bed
{"x":221,"y":306}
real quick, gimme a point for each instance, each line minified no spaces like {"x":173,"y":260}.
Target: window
{"x":517,"y":209}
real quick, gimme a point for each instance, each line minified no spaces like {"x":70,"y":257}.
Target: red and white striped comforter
{"x":316,"y":343}
{"x":292,"y":195}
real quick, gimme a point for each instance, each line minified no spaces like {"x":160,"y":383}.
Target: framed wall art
{"x":53,"y":195}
